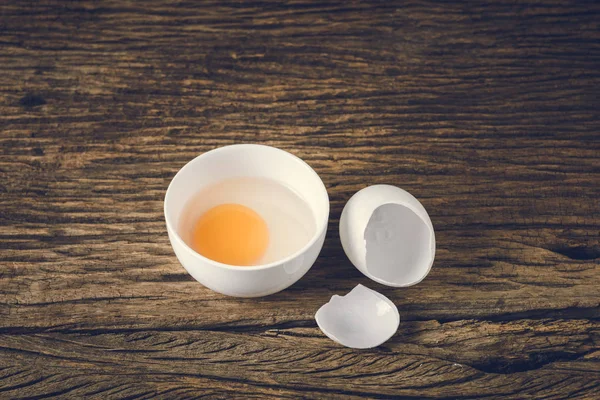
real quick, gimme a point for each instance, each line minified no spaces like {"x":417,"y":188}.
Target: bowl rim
{"x":321,"y":225}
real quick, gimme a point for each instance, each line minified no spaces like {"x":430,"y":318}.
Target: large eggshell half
{"x":387,"y":234}
{"x":361,"y":319}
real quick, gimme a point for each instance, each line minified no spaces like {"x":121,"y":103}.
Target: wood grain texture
{"x":488,"y":113}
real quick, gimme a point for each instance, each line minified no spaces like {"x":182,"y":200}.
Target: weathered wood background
{"x":489,"y":114}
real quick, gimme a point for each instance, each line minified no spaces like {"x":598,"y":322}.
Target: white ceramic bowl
{"x":246,"y":160}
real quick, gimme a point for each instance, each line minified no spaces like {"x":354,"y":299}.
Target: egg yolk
{"x":231,"y":234}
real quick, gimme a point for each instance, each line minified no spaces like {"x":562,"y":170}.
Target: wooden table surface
{"x":489,"y":114}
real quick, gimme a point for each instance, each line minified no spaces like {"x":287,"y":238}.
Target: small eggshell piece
{"x":361,"y":319}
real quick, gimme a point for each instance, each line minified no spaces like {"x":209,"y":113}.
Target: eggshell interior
{"x":399,"y":245}
{"x":361,"y":319}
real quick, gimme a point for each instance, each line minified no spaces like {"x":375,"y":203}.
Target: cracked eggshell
{"x":387,"y":234}
{"x":361,"y":319}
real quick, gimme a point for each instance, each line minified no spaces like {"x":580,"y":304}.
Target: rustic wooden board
{"x":489,"y":114}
